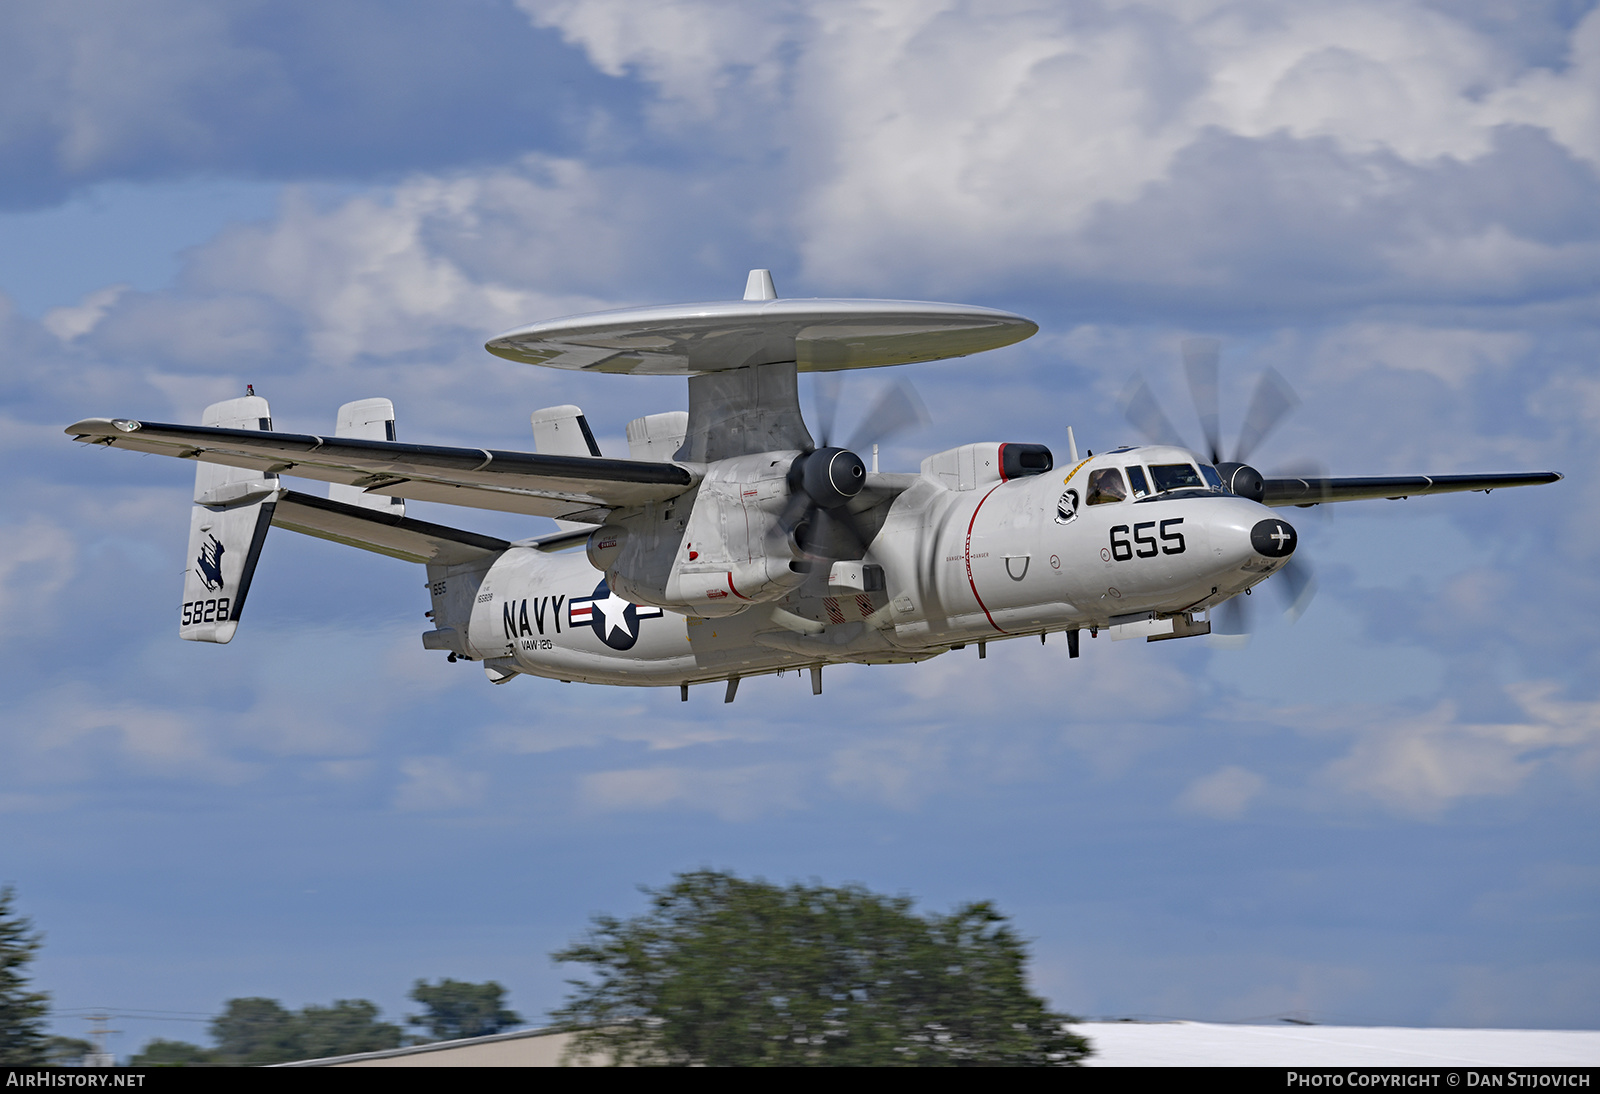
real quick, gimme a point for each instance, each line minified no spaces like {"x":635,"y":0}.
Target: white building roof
{"x":1204,"y":1044}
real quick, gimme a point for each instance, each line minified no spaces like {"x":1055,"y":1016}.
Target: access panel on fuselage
{"x":995,"y":568}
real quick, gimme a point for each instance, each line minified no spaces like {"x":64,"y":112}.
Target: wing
{"x":1315,"y":491}
{"x":373,"y":530}
{"x":579,"y":488}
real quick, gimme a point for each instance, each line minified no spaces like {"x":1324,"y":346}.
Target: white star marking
{"x":613,"y":607}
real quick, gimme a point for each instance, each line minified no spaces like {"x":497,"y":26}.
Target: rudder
{"x":229,"y":522}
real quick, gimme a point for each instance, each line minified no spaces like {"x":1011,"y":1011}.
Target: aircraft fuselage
{"x":962,"y":561}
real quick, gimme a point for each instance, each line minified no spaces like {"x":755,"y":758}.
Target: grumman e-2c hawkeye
{"x":731,"y":543}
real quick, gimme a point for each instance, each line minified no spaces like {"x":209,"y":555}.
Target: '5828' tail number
{"x":205,"y":611}
{"x":1144,"y":544}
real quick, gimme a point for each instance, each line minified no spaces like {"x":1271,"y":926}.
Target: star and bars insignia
{"x":615,"y":620}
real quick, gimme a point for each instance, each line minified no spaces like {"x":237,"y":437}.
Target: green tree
{"x":263,"y":1031}
{"x":22,"y":1012}
{"x":255,"y":1031}
{"x":66,"y":1051}
{"x":161,"y":1053}
{"x":727,"y":972}
{"x":455,"y":1008}
{"x":349,"y":1026}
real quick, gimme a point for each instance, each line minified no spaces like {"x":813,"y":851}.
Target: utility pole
{"x":99,"y":1057}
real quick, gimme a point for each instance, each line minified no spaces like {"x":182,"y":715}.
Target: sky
{"x":1383,"y":813}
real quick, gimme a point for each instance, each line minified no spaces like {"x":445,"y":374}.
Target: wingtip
{"x":102,"y":427}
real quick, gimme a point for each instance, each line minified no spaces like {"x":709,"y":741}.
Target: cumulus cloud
{"x":376,"y":277}
{"x":955,"y":146}
{"x":557,"y":730}
{"x":1425,"y":764}
{"x":898,"y":771}
{"x":405,"y":278}
{"x":67,"y":323}
{"x":163,"y":88}
{"x":1224,"y":794}
{"x":36,"y":559}
{"x":70,"y":739}
{"x":697,"y":52}
{"x":733,"y":793}
{"x":1565,"y":99}
{"x":434,"y":783}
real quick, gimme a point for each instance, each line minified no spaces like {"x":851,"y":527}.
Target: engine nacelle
{"x":731,"y":589}
{"x":605,"y":546}
{"x":1242,"y":479}
{"x":712,"y":552}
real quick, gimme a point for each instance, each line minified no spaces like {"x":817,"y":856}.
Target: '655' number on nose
{"x":1144,"y":544}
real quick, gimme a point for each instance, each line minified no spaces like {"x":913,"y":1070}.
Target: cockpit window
{"x":1136,"y":479}
{"x":1175,"y":476}
{"x":1106,"y":485}
{"x":1209,"y":473}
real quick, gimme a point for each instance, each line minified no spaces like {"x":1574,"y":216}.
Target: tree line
{"x":249,"y":1031}
{"x":720,"y":971}
{"x":256,"y":1031}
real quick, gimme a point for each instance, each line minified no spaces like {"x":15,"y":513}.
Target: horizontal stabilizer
{"x":389,"y":534}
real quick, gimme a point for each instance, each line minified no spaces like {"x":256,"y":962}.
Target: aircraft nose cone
{"x":1273,"y":538}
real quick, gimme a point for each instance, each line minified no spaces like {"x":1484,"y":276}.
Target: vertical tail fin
{"x":368,"y":420}
{"x":231,"y":515}
{"x":564,"y":431}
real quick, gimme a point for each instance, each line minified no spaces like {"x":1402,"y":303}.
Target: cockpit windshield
{"x":1105,"y":485}
{"x":1175,"y":476}
{"x":1141,"y":489}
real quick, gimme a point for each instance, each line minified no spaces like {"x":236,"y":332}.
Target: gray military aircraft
{"x":732,"y":543}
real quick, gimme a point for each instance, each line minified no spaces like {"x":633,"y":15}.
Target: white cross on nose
{"x":1280,"y":535}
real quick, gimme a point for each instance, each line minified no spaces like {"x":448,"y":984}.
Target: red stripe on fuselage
{"x":968,"y":553}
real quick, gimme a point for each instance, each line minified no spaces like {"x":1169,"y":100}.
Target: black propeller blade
{"x":1297,"y":584}
{"x":1231,"y":621}
{"x":1145,"y":413}
{"x":825,"y":396}
{"x":1200,"y":365}
{"x":899,"y":408}
{"x":823,"y":481}
{"x":1270,"y":403}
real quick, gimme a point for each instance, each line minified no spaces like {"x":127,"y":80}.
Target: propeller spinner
{"x":825,"y":480}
